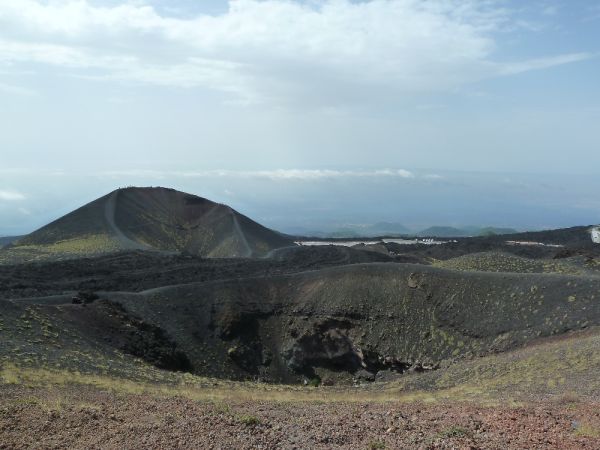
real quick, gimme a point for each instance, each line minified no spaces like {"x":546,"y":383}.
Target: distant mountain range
{"x":464,"y":232}
{"x":391,"y":229}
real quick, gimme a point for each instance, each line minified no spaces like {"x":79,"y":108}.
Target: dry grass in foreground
{"x":537,"y":397}
{"x":106,"y":415}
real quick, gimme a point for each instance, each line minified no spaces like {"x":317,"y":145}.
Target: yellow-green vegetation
{"x":565,"y":367}
{"x":587,"y":430}
{"x":249,"y":420}
{"x":261,"y":247}
{"x":228,"y":246}
{"x":94,"y":243}
{"x":34,"y":317}
{"x":184,"y":385}
{"x":81,"y":246}
{"x":504,"y":262}
{"x":560,"y":369}
{"x":51,"y":403}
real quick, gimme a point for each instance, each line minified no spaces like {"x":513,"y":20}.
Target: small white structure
{"x":596,"y":234}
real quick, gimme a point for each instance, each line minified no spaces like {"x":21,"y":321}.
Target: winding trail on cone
{"x":110,"y":208}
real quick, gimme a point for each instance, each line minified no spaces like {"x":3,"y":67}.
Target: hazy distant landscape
{"x":326,"y":203}
{"x":386,"y":229}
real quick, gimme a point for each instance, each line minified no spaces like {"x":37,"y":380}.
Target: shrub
{"x":249,"y":420}
{"x":314,"y":382}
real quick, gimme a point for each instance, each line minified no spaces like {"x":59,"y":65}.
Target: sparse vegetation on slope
{"x":148,"y":219}
{"x":337,"y":324}
{"x":505,"y":262}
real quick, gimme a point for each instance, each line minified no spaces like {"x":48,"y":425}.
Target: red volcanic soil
{"x":81,"y":417}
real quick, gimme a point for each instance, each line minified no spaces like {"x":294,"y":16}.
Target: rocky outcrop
{"x":328,"y":345}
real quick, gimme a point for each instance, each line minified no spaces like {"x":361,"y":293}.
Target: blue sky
{"x":360,"y":104}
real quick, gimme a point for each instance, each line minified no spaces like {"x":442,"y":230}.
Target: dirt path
{"x":275,"y":251}
{"x":241,"y":235}
{"x":109,"y":214}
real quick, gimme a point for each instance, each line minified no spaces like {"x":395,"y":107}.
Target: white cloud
{"x":543,"y":63}
{"x":277,"y":174}
{"x":402,"y":173}
{"x":324,"y":53}
{"x":319,"y":174}
{"x":9,"y":195}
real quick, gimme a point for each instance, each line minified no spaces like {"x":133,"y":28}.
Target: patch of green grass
{"x":587,"y":430}
{"x":222,"y":408}
{"x":314,"y":382}
{"x":83,"y":245}
{"x":568,"y":398}
{"x":249,"y":420}
{"x":504,"y":262}
{"x":376,"y":445}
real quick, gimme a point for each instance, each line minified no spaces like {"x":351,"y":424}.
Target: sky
{"x":305,"y":114}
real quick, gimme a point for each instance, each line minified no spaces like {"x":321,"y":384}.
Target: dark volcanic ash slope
{"x":149,"y":219}
{"x":374,"y":317}
{"x":337,"y":323}
{"x":141,"y":270}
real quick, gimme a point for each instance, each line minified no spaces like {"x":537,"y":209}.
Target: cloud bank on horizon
{"x":218,"y":93}
{"x":324,"y":200}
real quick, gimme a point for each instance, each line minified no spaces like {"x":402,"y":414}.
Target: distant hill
{"x":491,"y":231}
{"x":387,"y":229}
{"x":356,"y":231}
{"x":151,"y":219}
{"x":6,"y":240}
{"x":393,"y":229}
{"x":440,"y":231}
{"x":341,"y":233}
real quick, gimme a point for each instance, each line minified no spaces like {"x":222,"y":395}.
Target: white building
{"x":596,"y":234}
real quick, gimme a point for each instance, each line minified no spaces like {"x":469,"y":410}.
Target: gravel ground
{"x":82,"y":417}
